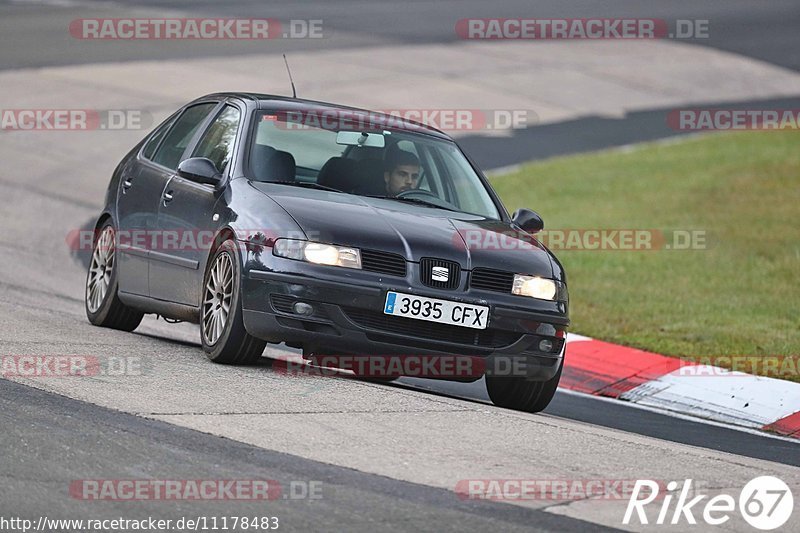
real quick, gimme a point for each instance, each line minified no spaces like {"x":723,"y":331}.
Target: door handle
{"x":126,"y":184}
{"x":167,"y":197}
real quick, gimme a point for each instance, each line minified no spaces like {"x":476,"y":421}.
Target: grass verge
{"x":738,"y":296}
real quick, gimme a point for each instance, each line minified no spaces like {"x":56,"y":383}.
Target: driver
{"x":401,"y":172}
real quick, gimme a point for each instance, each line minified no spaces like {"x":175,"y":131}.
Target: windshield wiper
{"x":417,"y":201}
{"x":307,"y":184}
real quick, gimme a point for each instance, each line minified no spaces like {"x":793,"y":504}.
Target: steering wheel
{"x":411,"y":193}
{"x":424,"y":194}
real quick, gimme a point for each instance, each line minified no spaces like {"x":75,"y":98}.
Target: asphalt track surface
{"x":33,"y":33}
{"x":57,"y":430}
{"x":739,"y":26}
{"x":186,"y":418}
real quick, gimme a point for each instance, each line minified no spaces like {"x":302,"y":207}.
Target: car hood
{"x":410,"y":230}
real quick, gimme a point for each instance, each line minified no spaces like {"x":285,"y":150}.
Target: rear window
{"x":311,"y":147}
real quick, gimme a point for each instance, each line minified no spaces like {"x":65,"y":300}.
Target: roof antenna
{"x":294,"y":91}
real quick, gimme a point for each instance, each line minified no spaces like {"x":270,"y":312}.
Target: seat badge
{"x":440,"y":274}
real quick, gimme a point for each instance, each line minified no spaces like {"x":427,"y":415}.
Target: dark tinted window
{"x":170,"y":152}
{"x":217,"y":142}
{"x":152,"y":144}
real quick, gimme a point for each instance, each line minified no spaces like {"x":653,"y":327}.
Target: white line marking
{"x":674,"y":415}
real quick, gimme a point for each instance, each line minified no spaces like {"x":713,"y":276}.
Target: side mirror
{"x":528,"y":220}
{"x":201,"y":170}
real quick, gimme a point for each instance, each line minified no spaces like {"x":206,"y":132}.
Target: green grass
{"x":740,"y":296}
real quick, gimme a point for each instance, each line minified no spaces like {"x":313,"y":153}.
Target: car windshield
{"x":345,"y":153}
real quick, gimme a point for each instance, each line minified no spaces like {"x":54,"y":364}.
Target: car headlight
{"x":318,"y":253}
{"x":535,"y":287}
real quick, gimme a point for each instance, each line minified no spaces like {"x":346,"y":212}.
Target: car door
{"x":137,"y":210}
{"x":186,"y":213}
{"x":156,"y":166}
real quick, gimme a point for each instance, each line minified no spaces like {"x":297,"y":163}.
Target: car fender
{"x":255,"y":221}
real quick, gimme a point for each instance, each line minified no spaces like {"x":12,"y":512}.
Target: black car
{"x":339,"y":231}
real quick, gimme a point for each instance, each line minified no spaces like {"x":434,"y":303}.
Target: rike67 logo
{"x":765,"y":503}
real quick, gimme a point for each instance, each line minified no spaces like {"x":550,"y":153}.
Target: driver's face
{"x":402,"y":178}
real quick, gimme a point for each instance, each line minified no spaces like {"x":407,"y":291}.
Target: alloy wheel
{"x":99,"y":279}
{"x":217,"y":299}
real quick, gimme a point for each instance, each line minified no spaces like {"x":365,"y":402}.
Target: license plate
{"x":435,"y":310}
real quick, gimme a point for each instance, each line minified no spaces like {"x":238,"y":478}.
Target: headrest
{"x":338,"y":173}
{"x":282,"y":166}
{"x":269,"y":164}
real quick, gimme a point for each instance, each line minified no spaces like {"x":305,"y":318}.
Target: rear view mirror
{"x":528,"y":220}
{"x":200,"y":170}
{"x":354,"y":138}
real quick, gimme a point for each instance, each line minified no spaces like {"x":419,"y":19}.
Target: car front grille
{"x":485,"y":338}
{"x":492,"y":280}
{"x":430,"y":269}
{"x":383,"y":262}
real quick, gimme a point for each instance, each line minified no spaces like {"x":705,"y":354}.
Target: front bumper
{"x":348,"y":318}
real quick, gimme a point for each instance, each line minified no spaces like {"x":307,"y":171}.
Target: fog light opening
{"x":302,"y":308}
{"x":546,"y":345}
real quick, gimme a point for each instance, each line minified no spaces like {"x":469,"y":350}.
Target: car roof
{"x":289,"y":104}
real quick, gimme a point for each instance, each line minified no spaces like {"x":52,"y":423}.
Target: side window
{"x":152,"y":144}
{"x":217,"y":141}
{"x":175,"y":143}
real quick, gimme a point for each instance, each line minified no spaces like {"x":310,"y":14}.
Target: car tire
{"x":521,"y":394}
{"x":224,"y":337}
{"x":101,"y":299}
